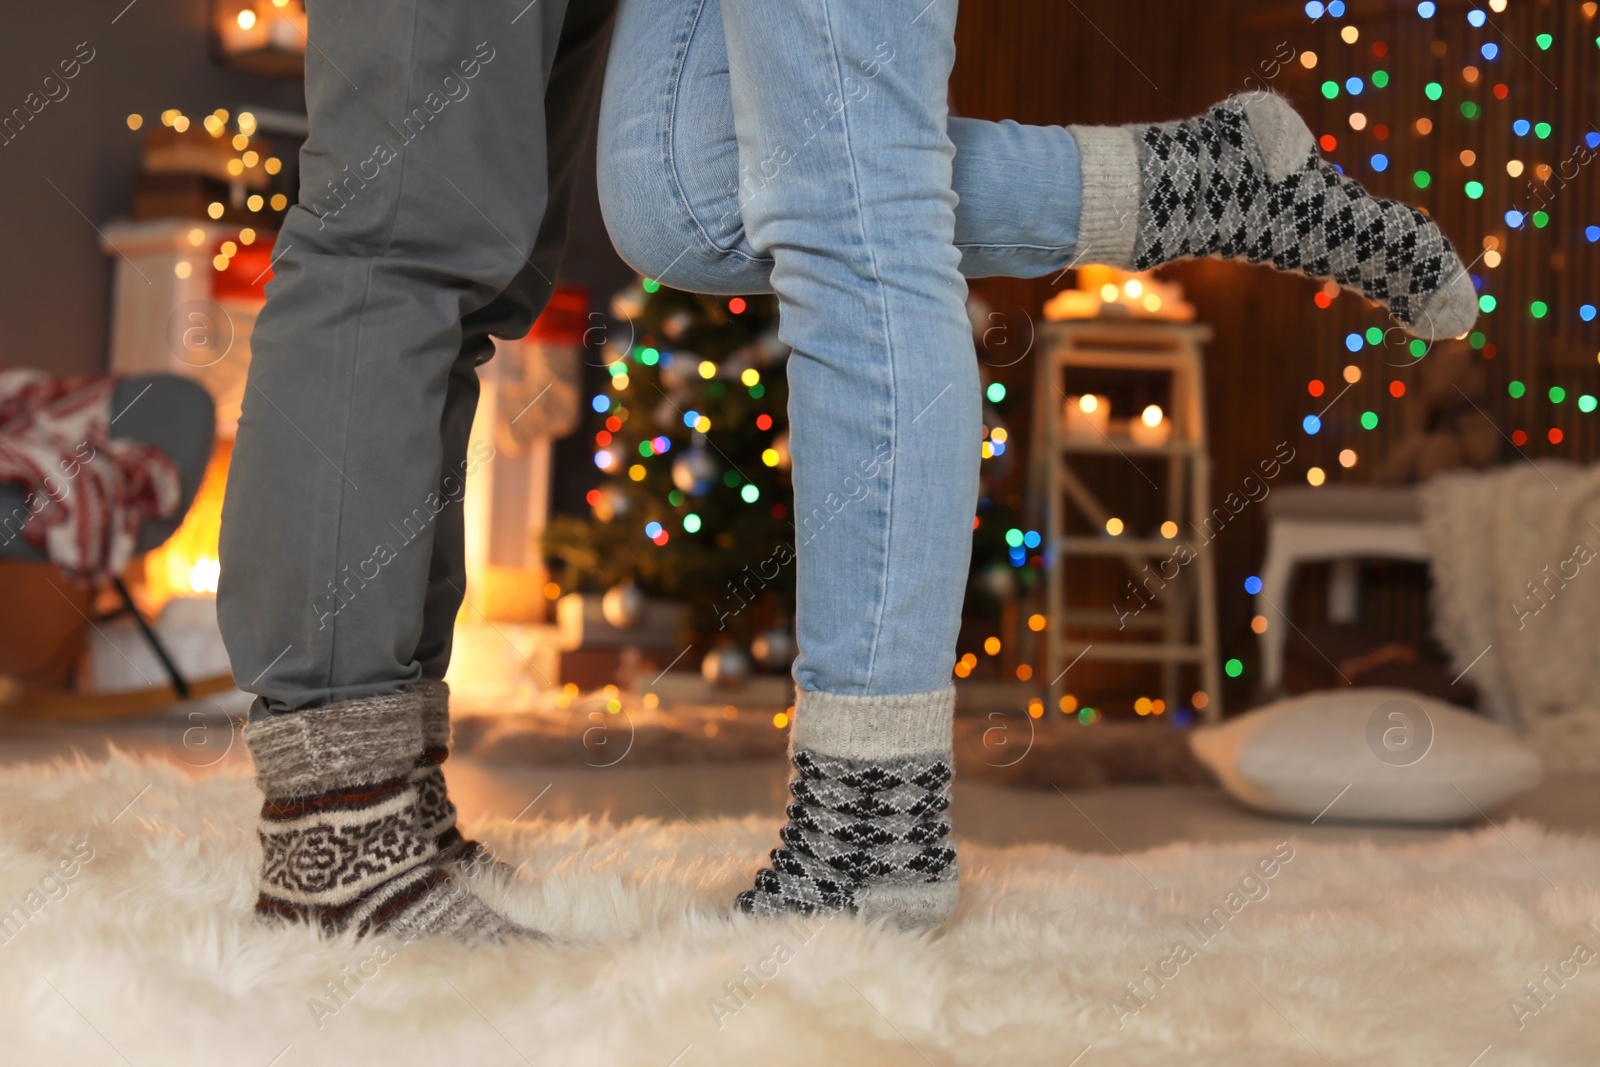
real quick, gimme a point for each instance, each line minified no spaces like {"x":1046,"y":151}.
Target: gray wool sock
{"x":339,"y":831}
{"x":1244,"y":181}
{"x":436,"y":813}
{"x":867,"y":830}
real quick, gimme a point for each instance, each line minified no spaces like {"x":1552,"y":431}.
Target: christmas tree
{"x":692,"y":450}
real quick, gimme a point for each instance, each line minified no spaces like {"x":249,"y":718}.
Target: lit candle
{"x":1150,"y":428}
{"x":254,"y":26}
{"x":1088,"y":415}
{"x":242,"y":31}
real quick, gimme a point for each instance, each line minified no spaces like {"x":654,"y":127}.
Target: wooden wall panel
{"x":1113,"y":61}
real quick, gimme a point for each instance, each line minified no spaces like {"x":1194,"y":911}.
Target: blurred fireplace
{"x":187,"y":294}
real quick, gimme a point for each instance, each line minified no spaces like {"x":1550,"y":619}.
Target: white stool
{"x":1339,"y":523}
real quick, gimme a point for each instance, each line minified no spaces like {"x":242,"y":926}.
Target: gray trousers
{"x":445,"y":141}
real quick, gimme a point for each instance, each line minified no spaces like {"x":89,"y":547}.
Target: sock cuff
{"x":337,"y":746}
{"x":435,"y":693}
{"x":874,"y":727}
{"x":1108,"y":225}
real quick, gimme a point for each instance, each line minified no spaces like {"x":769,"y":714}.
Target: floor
{"x":1125,"y":818}
{"x":1261,"y":953}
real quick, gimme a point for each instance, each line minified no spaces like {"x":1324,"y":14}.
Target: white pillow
{"x":1404,"y":757}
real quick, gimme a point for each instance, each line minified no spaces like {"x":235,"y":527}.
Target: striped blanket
{"x":85,"y":494}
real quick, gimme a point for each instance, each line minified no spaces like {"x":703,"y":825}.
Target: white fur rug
{"x":135,"y":946}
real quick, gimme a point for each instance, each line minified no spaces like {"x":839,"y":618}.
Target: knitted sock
{"x":436,"y":814}
{"x":339,"y":831}
{"x":867,"y":832}
{"x":1244,"y":181}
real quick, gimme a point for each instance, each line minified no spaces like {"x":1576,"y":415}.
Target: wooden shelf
{"x":1185,"y":621}
{"x":266,"y":62}
{"x":1112,"y":446}
{"x":1134,"y":652}
{"x":1091,"y":619}
{"x":1116,"y":546}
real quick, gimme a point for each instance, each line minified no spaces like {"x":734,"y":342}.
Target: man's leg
{"x":422,"y":194}
{"x":571,"y":99}
{"x":447,"y":584}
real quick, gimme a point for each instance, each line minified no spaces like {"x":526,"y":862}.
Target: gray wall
{"x":54,"y":279}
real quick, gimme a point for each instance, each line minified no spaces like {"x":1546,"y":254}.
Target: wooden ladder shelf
{"x":1186,"y":622}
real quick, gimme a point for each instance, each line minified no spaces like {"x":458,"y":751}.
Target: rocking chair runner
{"x":177,"y":416}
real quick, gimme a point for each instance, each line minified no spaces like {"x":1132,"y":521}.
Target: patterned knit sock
{"x":436,"y":813}
{"x":867,"y":832}
{"x":1244,"y":181}
{"x":339,"y":829}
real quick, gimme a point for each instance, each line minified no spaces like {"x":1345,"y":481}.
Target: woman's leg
{"x":671,"y":183}
{"x":1242,"y":181}
{"x":840,"y":104}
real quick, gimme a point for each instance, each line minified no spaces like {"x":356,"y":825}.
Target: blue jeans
{"x":805,"y":148}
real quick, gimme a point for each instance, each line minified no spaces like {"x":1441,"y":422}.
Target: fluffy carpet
{"x":134,"y":945}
